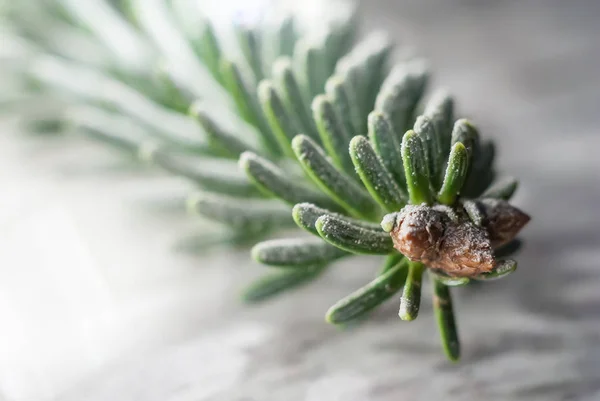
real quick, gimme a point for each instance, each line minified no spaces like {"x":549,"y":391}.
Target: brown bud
{"x":418,"y":231}
{"x":465,"y":250}
{"x":454,"y":245}
{"x":502,"y":220}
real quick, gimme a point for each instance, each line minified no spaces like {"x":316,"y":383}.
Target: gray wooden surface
{"x":98,"y":304}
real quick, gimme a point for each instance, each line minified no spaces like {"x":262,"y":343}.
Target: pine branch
{"x":502,"y":269}
{"x":282,"y":124}
{"x":370,"y":296}
{"x":276,"y":283}
{"x":344,"y":104}
{"x":375,"y":177}
{"x":334,"y":183}
{"x":301,"y":101}
{"x":207,"y":48}
{"x":247,"y":216}
{"x":296,"y":103}
{"x":456,"y":174}
{"x":310,"y":61}
{"x":227,"y":143}
{"x":502,"y":190}
{"x":306,"y":215}
{"x":218,"y":176}
{"x":410,"y":302}
{"x":248,"y":104}
{"x":333,"y":134}
{"x":415,"y":169}
{"x":388,"y":146}
{"x":444,"y":314}
{"x":400,"y":93}
{"x":353,"y":238}
{"x":295,"y":252}
{"x":275,"y":182}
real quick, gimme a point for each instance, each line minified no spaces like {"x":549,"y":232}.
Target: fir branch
{"x":370,"y":296}
{"x":307,"y":95}
{"x":333,"y":134}
{"x":286,"y":82}
{"x":388,"y":146}
{"x":217,"y":176}
{"x":473,"y":211}
{"x":310,"y":62}
{"x":275,"y":182}
{"x":440,"y":110}
{"x":376,"y":178}
{"x":344,"y":105}
{"x":247,"y":216}
{"x":456,"y":174}
{"x":306,"y":215}
{"x":502,"y":269}
{"x":295,"y":252}
{"x":447,"y":280}
{"x":411,"y":296}
{"x":249,"y":41}
{"x":435,"y":154}
{"x":502,"y":189}
{"x":276,"y":283}
{"x":400,"y":93}
{"x":415,"y":169}
{"x":281,"y":122}
{"x":229,"y":144}
{"x":353,"y":238}
{"x":365,"y":68}
{"x":334,"y":183}
{"x":248,"y":104}
{"x":444,"y":314}
{"x":208,"y":49}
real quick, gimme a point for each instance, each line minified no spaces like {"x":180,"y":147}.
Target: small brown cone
{"x":451,"y":242}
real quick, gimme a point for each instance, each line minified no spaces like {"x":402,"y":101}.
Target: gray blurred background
{"x":99,"y":303}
